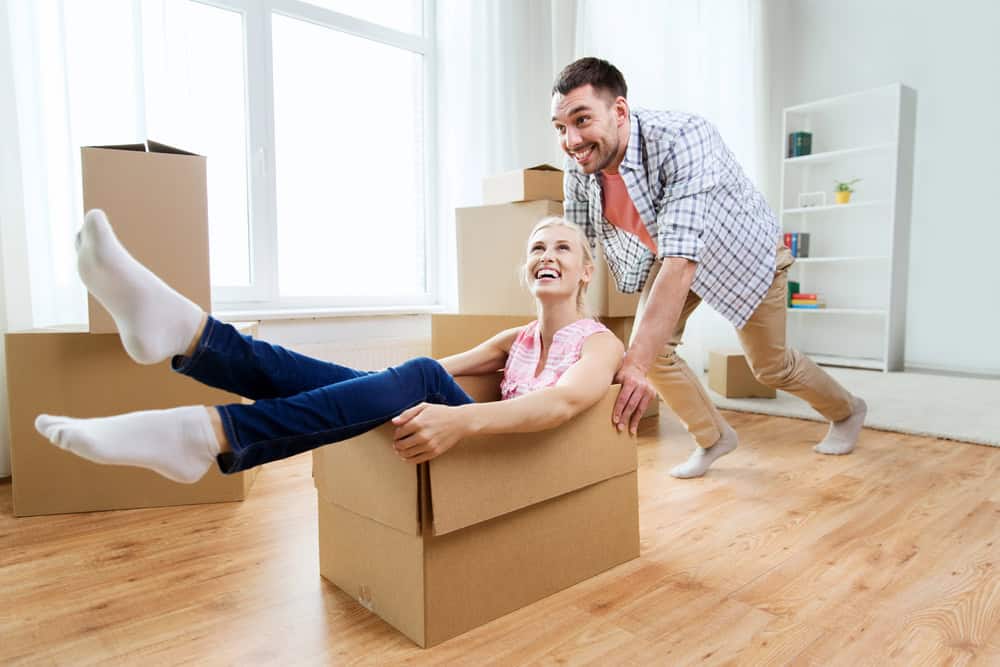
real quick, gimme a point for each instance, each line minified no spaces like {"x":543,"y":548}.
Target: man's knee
{"x":774,"y":373}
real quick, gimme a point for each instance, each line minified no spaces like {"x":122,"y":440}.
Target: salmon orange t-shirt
{"x":620,"y":211}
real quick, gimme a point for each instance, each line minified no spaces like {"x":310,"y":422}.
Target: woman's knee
{"x":430,"y":369}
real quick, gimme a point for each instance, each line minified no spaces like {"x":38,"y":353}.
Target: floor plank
{"x":779,"y":556}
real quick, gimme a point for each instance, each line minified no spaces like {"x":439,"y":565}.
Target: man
{"x":680,"y":222}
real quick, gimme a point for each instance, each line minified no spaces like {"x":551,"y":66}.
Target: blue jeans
{"x":303,"y":403}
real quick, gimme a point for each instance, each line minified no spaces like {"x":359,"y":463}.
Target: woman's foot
{"x":154,"y":321}
{"x":178,"y":443}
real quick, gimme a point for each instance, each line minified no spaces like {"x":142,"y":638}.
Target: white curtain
{"x":700,"y":56}
{"x":496,"y":61}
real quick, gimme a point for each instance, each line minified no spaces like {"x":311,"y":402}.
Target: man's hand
{"x":634,"y":398}
{"x":426,"y":431}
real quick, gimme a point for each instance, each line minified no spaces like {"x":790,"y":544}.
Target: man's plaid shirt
{"x":696,"y":203}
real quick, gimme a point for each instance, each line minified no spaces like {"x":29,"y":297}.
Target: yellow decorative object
{"x":842,"y":197}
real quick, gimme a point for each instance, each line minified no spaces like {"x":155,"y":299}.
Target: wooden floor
{"x":778,"y":556}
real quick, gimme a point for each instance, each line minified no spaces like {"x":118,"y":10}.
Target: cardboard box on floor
{"x":491,"y":251}
{"x":729,"y":374}
{"x":451,"y":334}
{"x":156,"y":199}
{"x":80,"y":374}
{"x":495,"y":524}
{"x":543,"y":181}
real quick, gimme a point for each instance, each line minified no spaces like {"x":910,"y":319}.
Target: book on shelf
{"x":797,"y":303}
{"x":793,"y":288}
{"x":798,"y":243}
{"x":805,"y":295}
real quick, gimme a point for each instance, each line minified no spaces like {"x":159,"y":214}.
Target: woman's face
{"x":556,"y":266}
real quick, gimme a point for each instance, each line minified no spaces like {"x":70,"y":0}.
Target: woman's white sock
{"x":155,"y":322}
{"x":178,"y":443}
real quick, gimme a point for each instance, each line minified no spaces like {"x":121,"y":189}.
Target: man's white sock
{"x":703,"y":457}
{"x":178,"y":443}
{"x":842,"y":436}
{"x":154,"y":321}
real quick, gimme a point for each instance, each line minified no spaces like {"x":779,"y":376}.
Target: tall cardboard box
{"x":81,"y":374}
{"x":543,"y":181}
{"x":491,"y":251}
{"x":156,"y":199}
{"x":493,"y":525}
{"x":729,"y":374}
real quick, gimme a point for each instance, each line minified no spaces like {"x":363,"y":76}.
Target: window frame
{"x":261,"y":298}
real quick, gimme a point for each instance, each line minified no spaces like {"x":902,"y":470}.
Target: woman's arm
{"x":426,"y":431}
{"x":487,"y":357}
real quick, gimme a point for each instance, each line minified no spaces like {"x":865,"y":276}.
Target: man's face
{"x":588,"y":124}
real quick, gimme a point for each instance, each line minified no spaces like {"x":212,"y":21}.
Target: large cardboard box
{"x":156,"y":199}
{"x":729,"y":374}
{"x":80,"y":374}
{"x":495,"y":524}
{"x":543,"y":181}
{"x":491,"y":252}
{"x":452,"y":334}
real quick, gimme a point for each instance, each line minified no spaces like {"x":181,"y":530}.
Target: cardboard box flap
{"x":148,"y":146}
{"x":489,"y":476}
{"x":365,"y":476}
{"x":543,"y":167}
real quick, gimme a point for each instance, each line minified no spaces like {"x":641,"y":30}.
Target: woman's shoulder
{"x":587,"y":327}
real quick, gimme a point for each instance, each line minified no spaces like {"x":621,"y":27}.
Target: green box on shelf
{"x":793,"y":288}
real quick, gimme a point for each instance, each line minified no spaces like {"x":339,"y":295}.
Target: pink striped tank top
{"x":522,"y":360}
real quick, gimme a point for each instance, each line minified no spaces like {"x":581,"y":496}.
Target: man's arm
{"x":688,"y":171}
{"x":663,"y":309}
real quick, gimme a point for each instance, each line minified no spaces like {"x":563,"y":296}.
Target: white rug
{"x":954,"y":408}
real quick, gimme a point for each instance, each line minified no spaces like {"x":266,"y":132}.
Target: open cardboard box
{"x":451,"y":334}
{"x":494,"y":524}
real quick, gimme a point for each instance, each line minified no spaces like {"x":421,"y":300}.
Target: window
{"x":314,"y":119}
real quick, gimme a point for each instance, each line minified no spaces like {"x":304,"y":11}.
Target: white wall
{"x":949,"y":54}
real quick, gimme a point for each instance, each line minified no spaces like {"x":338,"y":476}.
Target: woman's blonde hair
{"x":588,"y":257}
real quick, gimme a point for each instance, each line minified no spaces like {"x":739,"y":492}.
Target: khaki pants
{"x":772,"y":362}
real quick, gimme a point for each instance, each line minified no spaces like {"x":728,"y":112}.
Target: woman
{"x":554,"y":368}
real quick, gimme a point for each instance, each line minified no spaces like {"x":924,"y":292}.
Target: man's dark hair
{"x":600,"y":74}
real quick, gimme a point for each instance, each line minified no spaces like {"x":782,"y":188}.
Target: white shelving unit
{"x":858,"y":255}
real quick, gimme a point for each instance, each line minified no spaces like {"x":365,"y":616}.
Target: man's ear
{"x":621,"y":110}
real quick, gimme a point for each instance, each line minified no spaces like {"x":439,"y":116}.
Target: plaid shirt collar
{"x":633,"y":152}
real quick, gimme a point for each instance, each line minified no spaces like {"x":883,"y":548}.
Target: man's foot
{"x":842,"y":436}
{"x":154,"y":321}
{"x":178,"y":443}
{"x":703,"y":457}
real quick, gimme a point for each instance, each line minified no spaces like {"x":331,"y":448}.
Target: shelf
{"x":858,"y":258}
{"x":841,"y":100}
{"x":849,"y":362}
{"x":840,"y":311}
{"x":837,"y":207}
{"x":834,"y":155}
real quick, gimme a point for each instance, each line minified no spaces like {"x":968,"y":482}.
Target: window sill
{"x":260,"y":314}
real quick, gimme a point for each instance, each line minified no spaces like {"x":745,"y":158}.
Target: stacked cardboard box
{"x":495,"y":524}
{"x":491,"y":243}
{"x":155,"y":197}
